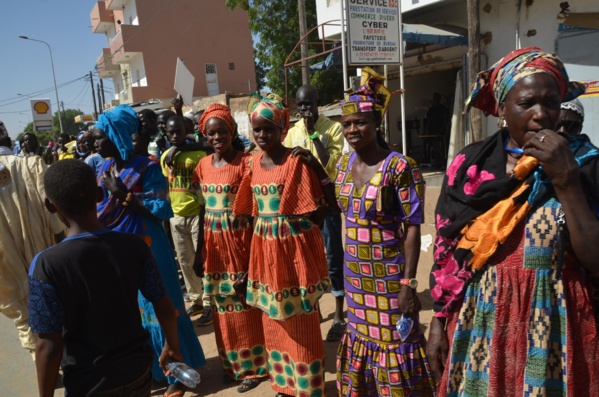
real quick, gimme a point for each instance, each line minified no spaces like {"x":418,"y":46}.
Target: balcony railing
{"x":117,"y":49}
{"x":104,"y":65}
{"x":125,"y":44}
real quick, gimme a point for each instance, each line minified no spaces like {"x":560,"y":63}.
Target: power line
{"x":24,"y":97}
{"x":84,"y":94}
{"x":16,"y":111}
{"x":80,"y":91}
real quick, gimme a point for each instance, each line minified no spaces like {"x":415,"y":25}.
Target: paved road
{"x":17,"y":377}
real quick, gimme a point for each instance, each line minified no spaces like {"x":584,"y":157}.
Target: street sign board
{"x":41,"y":113}
{"x":592,"y":88}
{"x":43,"y":126}
{"x":373,"y":32}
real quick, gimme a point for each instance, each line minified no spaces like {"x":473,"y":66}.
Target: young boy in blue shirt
{"x":83,"y":298}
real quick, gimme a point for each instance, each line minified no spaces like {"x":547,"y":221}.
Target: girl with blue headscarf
{"x":135,"y":202}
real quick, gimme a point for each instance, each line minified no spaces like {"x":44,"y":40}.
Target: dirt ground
{"x":212,"y":374}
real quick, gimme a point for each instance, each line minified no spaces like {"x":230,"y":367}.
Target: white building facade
{"x":505,"y":25}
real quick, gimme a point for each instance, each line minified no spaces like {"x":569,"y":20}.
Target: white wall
{"x":500,"y":19}
{"x":130,"y":13}
{"x":541,"y":16}
{"x":582,"y":65}
{"x":327,"y":10}
{"x":409,"y":5}
{"x":138,"y":71}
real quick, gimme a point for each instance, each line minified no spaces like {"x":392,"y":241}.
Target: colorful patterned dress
{"x":144,"y":179}
{"x":288,"y":271}
{"x":371,"y":359}
{"x":527,"y":325}
{"x":239,"y":335}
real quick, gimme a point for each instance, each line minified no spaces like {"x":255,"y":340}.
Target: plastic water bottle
{"x":404,"y":326}
{"x":184,"y":374}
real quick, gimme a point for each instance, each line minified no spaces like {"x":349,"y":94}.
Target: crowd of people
{"x":92,"y":281}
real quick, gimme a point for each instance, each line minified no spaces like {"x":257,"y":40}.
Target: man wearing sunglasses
{"x":571,"y":117}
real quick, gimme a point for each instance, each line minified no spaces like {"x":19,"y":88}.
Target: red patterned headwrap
{"x":221,"y":112}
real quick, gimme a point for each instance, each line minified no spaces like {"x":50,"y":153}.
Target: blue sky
{"x":25,"y":65}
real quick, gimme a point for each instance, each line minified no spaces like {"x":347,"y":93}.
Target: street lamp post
{"x":28,"y":116}
{"x":53,"y":76}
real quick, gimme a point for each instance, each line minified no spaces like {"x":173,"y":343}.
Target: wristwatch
{"x":410,"y":282}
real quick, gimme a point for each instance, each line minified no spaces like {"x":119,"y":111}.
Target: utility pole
{"x":301,"y":5}
{"x":100,"y":106}
{"x":473,"y":6}
{"x":91,"y":80}
{"x":61,"y":105}
{"x":102,"y":91}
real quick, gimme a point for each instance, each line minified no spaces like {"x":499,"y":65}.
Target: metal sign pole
{"x":343,"y":51}
{"x":404,"y":143}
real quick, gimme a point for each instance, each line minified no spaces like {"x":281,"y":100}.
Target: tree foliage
{"x":68,"y":121}
{"x":275,"y":27}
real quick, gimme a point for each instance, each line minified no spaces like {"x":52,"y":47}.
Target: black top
{"x":86,"y":287}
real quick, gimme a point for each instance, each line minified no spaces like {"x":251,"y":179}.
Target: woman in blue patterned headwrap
{"x":135,"y":202}
{"x":516,"y":246}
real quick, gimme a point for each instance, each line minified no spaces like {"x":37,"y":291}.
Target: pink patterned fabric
{"x":453,"y":168}
{"x":476,"y":179}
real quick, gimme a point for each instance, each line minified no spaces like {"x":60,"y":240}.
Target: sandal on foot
{"x":336,"y":332}
{"x":248,"y":384}
{"x":176,"y":393}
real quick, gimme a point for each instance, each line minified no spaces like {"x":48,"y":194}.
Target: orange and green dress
{"x":288,"y":270}
{"x":239,"y":336}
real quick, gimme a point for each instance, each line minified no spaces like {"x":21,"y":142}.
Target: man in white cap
{"x":571,"y":117}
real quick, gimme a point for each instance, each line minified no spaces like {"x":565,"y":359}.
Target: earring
{"x":501,"y":123}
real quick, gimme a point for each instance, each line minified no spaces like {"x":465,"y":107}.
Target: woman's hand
{"x":306,"y":156}
{"x":408,"y":302}
{"x":114,"y":185}
{"x":437,"y":348}
{"x":555,"y":155}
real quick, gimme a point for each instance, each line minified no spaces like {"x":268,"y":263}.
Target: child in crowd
{"x":83,"y":298}
{"x":178,"y":166}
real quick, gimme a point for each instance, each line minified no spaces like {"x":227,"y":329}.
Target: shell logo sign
{"x":41,"y":107}
{"x":41,"y":111}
